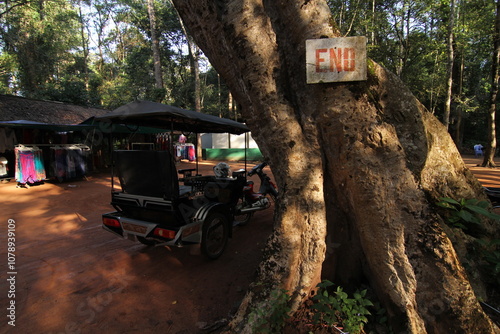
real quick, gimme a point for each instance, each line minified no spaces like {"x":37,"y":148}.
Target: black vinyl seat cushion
{"x":147,"y":173}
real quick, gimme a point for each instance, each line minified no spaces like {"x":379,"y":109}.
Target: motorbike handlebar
{"x":257,"y":168}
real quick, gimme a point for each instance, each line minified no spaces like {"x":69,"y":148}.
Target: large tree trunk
{"x":358,"y":164}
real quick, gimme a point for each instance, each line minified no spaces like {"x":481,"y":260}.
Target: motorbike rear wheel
{"x":215,"y":234}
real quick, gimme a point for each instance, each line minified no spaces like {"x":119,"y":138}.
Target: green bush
{"x":338,"y":309}
{"x":271,"y":318}
{"x":466,"y":212}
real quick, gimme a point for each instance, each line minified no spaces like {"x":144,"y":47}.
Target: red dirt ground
{"x":74,"y":277}
{"x":71,"y":276}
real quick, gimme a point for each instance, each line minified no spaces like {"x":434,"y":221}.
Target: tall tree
{"x":155,"y":45}
{"x":451,"y":60}
{"x":194,"y":65}
{"x":495,"y":76}
{"x":363,"y":162}
{"x":97,"y":21}
{"x":43,"y":36}
{"x":85,"y":45}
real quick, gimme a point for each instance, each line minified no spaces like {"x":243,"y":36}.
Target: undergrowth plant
{"x":339,"y":310}
{"x":490,"y":252}
{"x":465,"y":212}
{"x":271,"y":318}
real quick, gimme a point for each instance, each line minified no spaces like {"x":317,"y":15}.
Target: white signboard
{"x":336,"y":59}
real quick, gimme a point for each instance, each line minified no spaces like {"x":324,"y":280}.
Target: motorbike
{"x":252,"y":201}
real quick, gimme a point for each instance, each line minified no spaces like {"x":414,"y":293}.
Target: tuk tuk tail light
{"x":111,"y":222}
{"x":161,"y":232}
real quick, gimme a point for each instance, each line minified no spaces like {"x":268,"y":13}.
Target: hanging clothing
{"x":162,"y":141}
{"x":191,"y":153}
{"x":185,"y":151}
{"x":69,"y":162}
{"x":8,"y":139}
{"x":4,"y":171}
{"x":29,"y":165}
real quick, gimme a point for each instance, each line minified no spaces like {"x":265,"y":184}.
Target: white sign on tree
{"x":336,"y":59}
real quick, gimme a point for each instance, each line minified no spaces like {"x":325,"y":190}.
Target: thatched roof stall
{"x":17,"y":108}
{"x":45,"y":124}
{"x":49,"y":125}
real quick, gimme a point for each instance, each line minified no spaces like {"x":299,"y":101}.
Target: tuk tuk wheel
{"x":215,"y":233}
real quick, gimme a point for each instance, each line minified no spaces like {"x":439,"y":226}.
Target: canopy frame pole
{"x":171,"y":139}
{"x":111,"y":150}
{"x":196,"y":151}
{"x":246,"y":145}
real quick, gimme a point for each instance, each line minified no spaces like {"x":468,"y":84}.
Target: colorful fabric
{"x":29,"y":165}
{"x":186,"y":151}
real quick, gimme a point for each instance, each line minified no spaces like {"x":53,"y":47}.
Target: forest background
{"x":106,"y":53}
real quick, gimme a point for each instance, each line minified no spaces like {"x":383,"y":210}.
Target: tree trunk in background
{"x":85,"y":48}
{"x":359,"y":164}
{"x":491,"y":146}
{"x":231,"y":107}
{"x":195,"y":72}
{"x":458,"y":133}
{"x":193,"y":54}
{"x":451,"y":58}
{"x":155,"y":45}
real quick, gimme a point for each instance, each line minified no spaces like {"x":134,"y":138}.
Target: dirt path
{"x":74,"y":277}
{"x":71,"y":276}
{"x":489,"y":177}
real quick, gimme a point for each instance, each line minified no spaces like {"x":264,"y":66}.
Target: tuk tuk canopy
{"x":158,"y":115}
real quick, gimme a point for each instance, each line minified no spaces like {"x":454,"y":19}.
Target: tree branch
{"x":15,"y":4}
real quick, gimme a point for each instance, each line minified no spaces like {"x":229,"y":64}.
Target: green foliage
{"x":380,"y":318}
{"x":8,"y":66}
{"x":464,"y":213}
{"x":43,"y":36}
{"x":409,"y":38}
{"x":40,"y":42}
{"x":272,"y":316}
{"x":339,"y":309}
{"x":490,"y":252}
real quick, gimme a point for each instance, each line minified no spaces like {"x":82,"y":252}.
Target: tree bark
{"x":451,"y":59}
{"x":85,"y":48}
{"x":155,"y":46}
{"x":359,"y":164}
{"x":491,"y":146}
{"x":193,"y":54}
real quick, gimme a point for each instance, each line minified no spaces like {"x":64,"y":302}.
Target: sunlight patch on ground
{"x":65,"y":224}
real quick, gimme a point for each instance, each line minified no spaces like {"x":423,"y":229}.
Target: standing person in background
{"x":478,"y":150}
